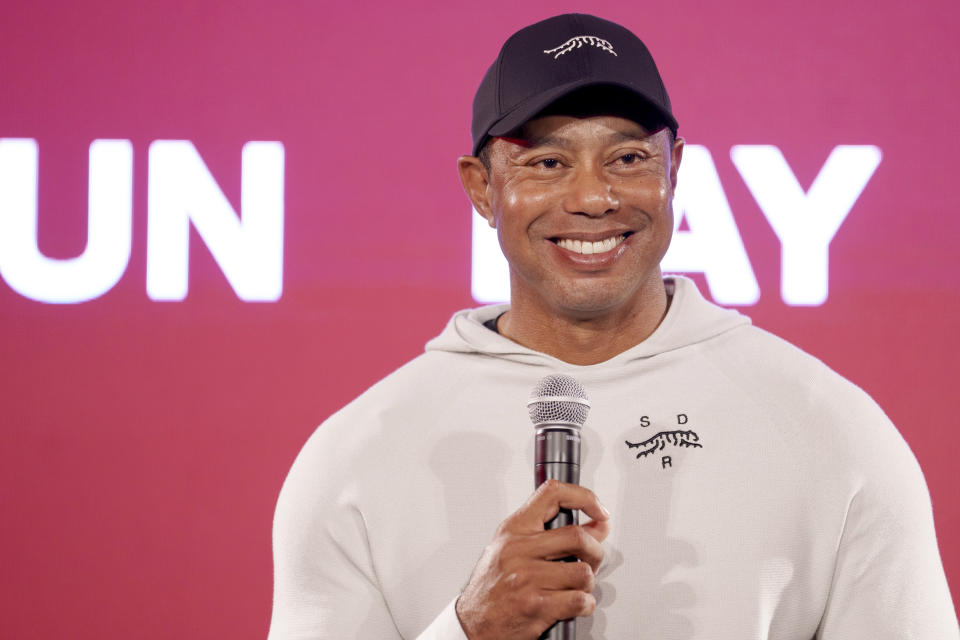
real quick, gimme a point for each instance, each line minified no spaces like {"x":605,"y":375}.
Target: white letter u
{"x":109,"y":222}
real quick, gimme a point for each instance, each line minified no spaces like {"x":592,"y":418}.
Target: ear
{"x":475,"y":181}
{"x":676,"y":155}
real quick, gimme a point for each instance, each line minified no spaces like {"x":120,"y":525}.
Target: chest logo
{"x":579,"y":41}
{"x":660,"y":441}
{"x":680,"y":437}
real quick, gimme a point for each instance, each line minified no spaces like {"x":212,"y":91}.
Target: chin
{"x":592,"y":301}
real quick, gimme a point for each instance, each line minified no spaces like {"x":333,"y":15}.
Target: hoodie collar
{"x":690,"y":319}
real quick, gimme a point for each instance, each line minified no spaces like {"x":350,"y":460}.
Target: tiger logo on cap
{"x":577,"y":42}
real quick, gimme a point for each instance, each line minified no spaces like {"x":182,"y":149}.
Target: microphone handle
{"x":559,"y":445}
{"x":564,"y":472}
{"x":557,"y":456}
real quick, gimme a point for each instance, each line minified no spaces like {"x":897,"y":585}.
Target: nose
{"x":590,"y":193}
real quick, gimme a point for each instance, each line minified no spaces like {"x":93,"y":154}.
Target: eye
{"x":548,"y":163}
{"x":630,"y":158}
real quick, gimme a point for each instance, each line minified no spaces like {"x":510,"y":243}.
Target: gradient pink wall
{"x":143,"y":443}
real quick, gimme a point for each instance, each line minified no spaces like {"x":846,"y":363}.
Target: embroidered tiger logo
{"x":662,"y":439}
{"x":579,"y":41}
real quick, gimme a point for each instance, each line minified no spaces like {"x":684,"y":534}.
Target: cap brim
{"x":528,"y":109}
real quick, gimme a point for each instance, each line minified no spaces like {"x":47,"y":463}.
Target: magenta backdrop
{"x":144,"y":443}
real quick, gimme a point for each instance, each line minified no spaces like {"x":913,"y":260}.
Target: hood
{"x":690,"y":319}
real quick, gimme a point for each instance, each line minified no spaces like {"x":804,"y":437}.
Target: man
{"x":753,"y":492}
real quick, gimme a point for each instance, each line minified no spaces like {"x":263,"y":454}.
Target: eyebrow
{"x":558,"y":141}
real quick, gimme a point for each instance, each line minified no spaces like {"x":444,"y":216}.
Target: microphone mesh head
{"x":558,"y":399}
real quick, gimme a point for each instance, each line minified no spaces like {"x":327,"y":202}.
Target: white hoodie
{"x":764,"y":496}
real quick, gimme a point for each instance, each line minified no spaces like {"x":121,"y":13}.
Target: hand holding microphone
{"x":517,"y":589}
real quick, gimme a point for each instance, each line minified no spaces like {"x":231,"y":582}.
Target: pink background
{"x":143,"y":444}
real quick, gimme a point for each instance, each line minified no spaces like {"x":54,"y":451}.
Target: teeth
{"x":587,"y":248}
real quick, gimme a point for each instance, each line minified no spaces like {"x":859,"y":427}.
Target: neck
{"x":588,"y":338}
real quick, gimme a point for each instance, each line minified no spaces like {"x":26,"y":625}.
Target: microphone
{"x":558,"y":407}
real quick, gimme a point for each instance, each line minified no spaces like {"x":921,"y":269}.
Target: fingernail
{"x":604,"y":510}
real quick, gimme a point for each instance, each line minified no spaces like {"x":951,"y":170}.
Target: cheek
{"x":654,"y":196}
{"x":526,"y":197}
{"x":661,"y":189}
{"x":660,"y":195}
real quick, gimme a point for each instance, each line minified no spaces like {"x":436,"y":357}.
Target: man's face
{"x":583,"y":208}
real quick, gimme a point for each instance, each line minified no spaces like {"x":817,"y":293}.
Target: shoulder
{"x":843,"y":426}
{"x":792,"y":375}
{"x":353,"y":450}
{"x":400,"y":414}
{"x":374,"y":413}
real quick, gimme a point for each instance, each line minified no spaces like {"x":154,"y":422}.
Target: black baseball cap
{"x":553,"y":58}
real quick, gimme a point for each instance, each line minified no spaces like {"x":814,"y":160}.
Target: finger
{"x":562,"y":576}
{"x":598,"y":529}
{"x":550,"y":497}
{"x":563,"y":605}
{"x":572,"y":540}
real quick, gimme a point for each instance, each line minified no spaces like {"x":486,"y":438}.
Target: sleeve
{"x":889,"y":581}
{"x":325,"y":584}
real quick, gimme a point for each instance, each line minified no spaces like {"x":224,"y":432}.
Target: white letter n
{"x":181,"y":190}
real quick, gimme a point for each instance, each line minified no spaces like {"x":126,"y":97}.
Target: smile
{"x":586,"y":247}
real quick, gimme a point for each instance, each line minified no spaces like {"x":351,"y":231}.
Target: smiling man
{"x":754,"y":494}
{"x":582,"y":204}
